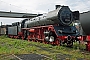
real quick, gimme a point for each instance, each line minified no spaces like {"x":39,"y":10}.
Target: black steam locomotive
{"x":55,"y":27}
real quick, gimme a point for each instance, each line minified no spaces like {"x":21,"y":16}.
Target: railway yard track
{"x":37,"y":56}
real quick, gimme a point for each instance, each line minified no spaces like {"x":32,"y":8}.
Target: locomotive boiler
{"x":55,"y":27}
{"x":62,"y":16}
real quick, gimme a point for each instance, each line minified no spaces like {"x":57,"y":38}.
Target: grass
{"x":16,"y":46}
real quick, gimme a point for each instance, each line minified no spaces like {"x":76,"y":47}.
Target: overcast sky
{"x":39,"y":6}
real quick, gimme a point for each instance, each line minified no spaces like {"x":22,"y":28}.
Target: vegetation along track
{"x":22,"y":48}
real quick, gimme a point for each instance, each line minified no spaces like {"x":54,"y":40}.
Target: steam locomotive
{"x":55,"y":27}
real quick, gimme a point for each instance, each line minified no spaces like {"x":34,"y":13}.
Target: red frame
{"x":37,"y":34}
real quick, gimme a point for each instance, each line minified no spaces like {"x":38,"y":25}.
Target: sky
{"x":39,"y":6}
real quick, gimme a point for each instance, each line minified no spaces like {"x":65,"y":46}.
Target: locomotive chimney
{"x":57,"y":6}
